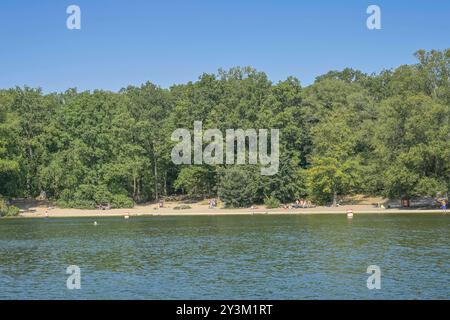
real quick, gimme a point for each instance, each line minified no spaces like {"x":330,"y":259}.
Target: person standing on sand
{"x":444,"y":205}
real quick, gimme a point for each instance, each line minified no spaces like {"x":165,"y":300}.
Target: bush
{"x":121,"y":201}
{"x":7,"y":210}
{"x":3,"y":207}
{"x":271,"y":202}
{"x":102,"y":195}
{"x":238,"y":187}
{"x":62,"y":204}
{"x":83,"y":204}
{"x":65,"y":196}
{"x":84,"y":192}
{"x":78,"y":204}
{"x":182,"y":207}
{"x":89,"y":196}
{"x":13,"y":211}
{"x":196,"y":181}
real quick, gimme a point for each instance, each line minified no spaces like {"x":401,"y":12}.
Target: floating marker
{"x":350,"y":213}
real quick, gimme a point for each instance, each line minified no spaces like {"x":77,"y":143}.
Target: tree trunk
{"x":165,"y":183}
{"x":138,"y":193}
{"x":334,"y":197}
{"x":155,"y":168}
{"x":30,"y":169}
{"x":156,"y":181}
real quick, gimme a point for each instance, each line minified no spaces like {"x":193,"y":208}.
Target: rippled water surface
{"x":227,"y":257}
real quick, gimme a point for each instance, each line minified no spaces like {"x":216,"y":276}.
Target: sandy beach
{"x":43,"y":210}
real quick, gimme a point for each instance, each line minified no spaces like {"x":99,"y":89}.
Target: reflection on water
{"x":227,"y":257}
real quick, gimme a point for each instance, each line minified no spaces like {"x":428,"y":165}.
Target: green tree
{"x":238,"y":186}
{"x":197,"y":181}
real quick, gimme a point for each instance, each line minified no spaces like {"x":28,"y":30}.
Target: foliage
{"x":3,"y":207}
{"x":238,"y":187}
{"x":271,"y":202}
{"x":328,"y":178}
{"x":12,"y":211}
{"x":196,"y":180}
{"x":121,"y":201}
{"x":7,"y":210}
{"x":182,"y":207}
{"x":349,"y":132}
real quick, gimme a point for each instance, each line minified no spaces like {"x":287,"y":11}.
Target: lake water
{"x":227,"y":257}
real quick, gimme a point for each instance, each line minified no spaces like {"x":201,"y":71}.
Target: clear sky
{"x":123,"y":42}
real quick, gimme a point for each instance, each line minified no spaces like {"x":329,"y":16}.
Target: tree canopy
{"x":349,"y":132}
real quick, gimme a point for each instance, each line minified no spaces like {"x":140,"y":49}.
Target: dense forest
{"x":347,"y":133}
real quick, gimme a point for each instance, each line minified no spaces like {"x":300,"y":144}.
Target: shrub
{"x":82,"y":204}
{"x":78,"y":204}
{"x":89,"y":196}
{"x":84,"y":192}
{"x":102,"y":195}
{"x":182,"y":207}
{"x":238,"y":187}
{"x":3,"y":207}
{"x":62,"y":204}
{"x":13,"y":211}
{"x":196,"y":181}
{"x":271,"y":202}
{"x":7,"y":210}
{"x":65,"y":196}
{"x":121,"y":201}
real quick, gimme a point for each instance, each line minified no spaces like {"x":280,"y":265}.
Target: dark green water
{"x":227,"y":257}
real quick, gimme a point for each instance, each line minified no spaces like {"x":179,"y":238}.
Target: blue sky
{"x":166,"y":42}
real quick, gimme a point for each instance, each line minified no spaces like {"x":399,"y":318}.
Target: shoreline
{"x":203,"y":210}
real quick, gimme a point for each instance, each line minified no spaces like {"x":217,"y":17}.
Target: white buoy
{"x":95,"y":223}
{"x":350,"y":213}
{"x":126,"y":217}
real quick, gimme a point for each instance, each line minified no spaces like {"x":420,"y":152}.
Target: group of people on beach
{"x":212,"y":203}
{"x":300,"y":203}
